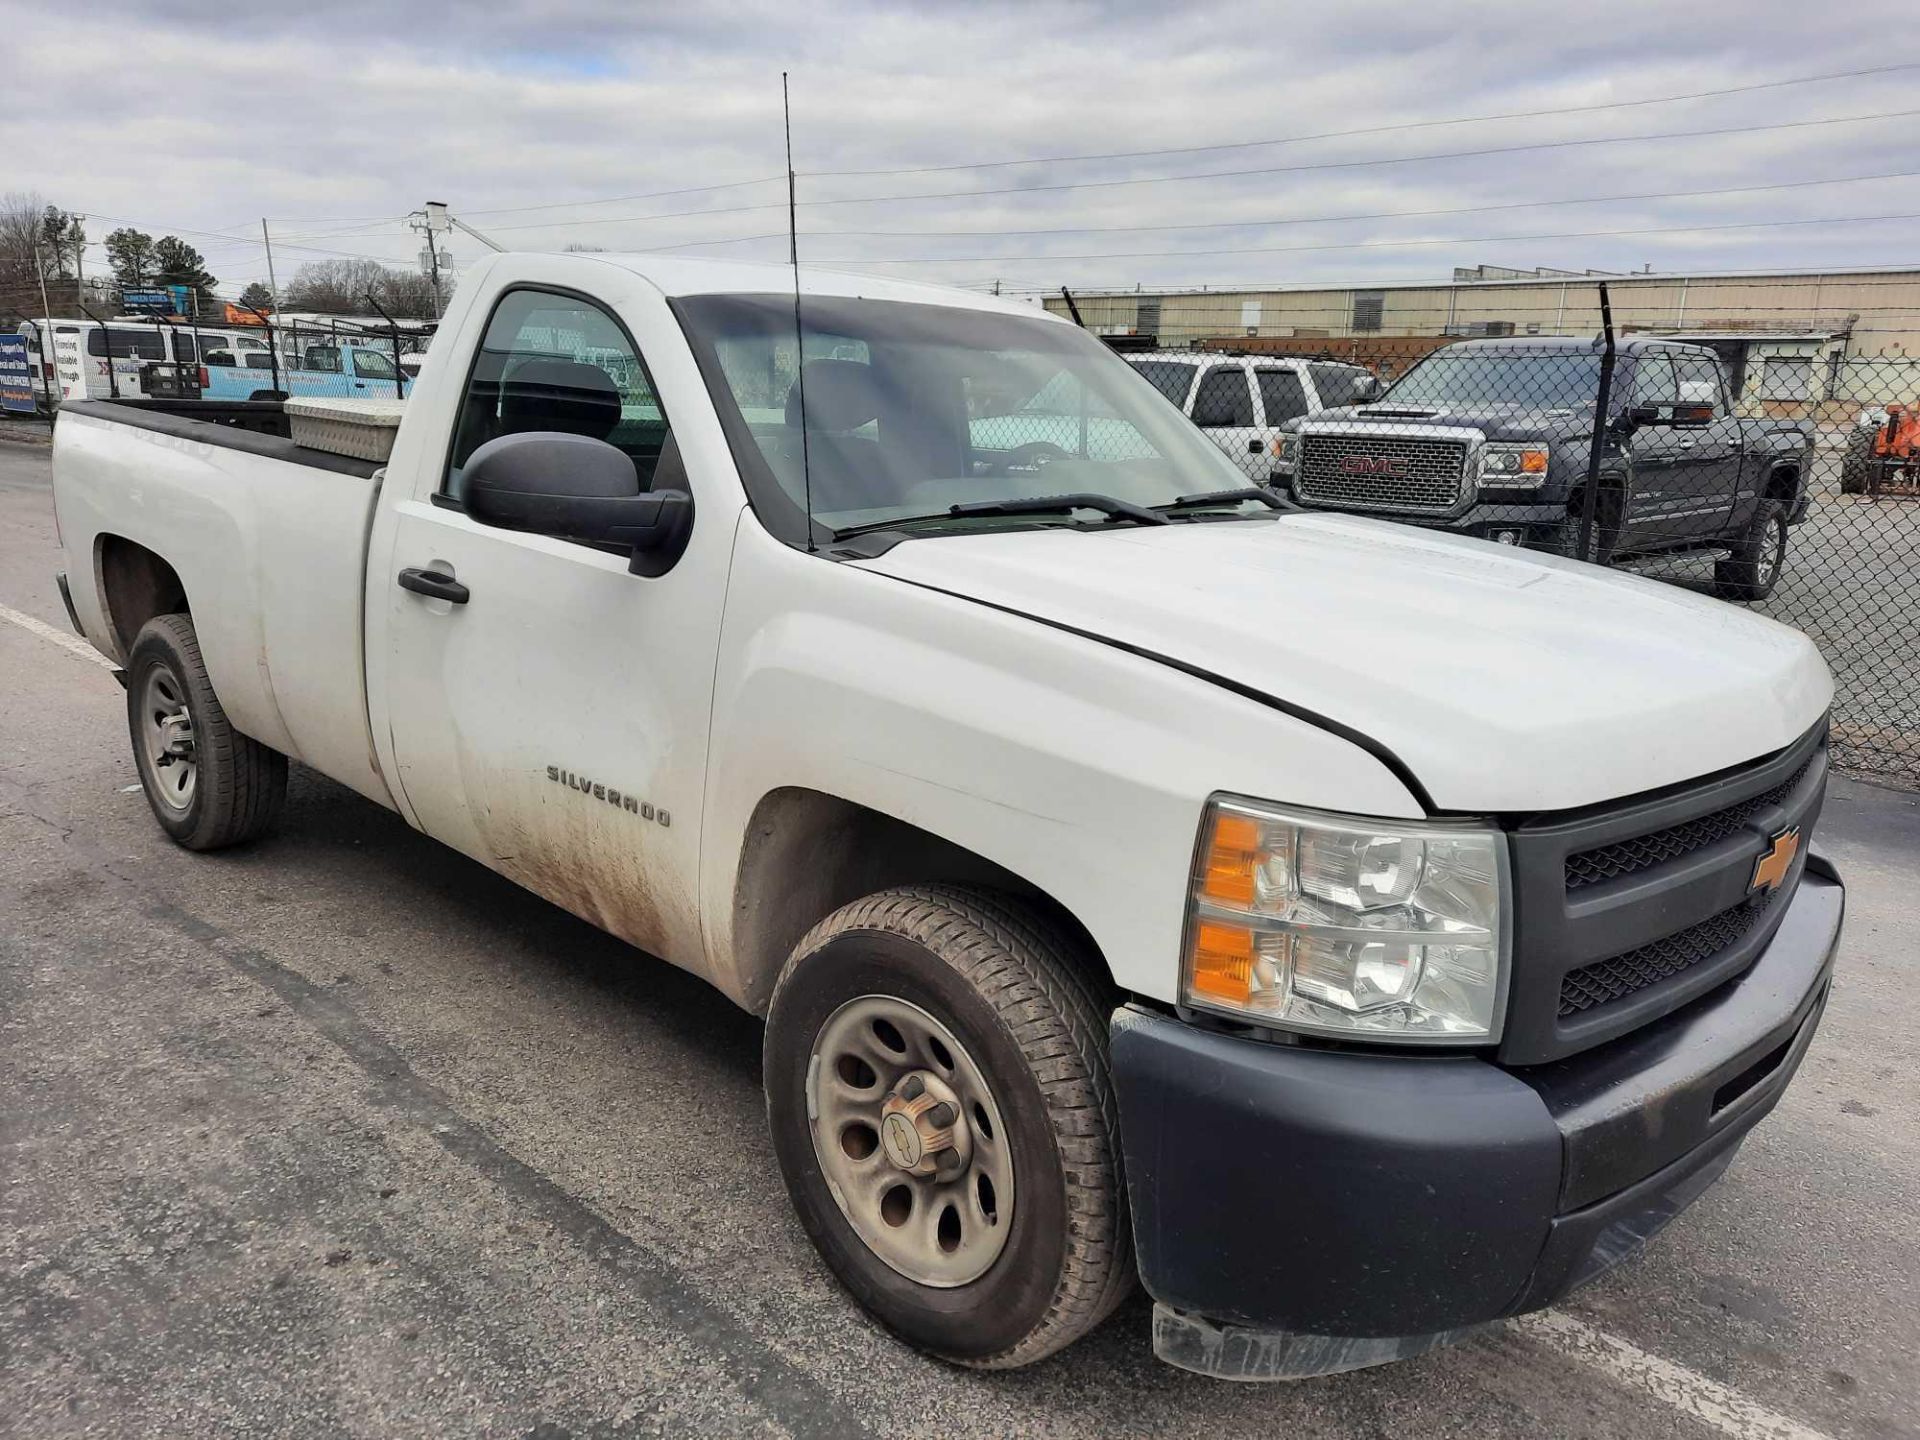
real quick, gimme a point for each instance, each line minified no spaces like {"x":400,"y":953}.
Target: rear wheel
{"x":208,"y":785}
{"x":937,"y":1085}
{"x":1754,"y":567}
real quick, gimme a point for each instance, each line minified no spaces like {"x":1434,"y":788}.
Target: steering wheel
{"x":1034,"y":455}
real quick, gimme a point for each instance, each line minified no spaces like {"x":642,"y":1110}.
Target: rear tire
{"x":208,"y":785}
{"x":1754,"y":567}
{"x":1026,"y":1042}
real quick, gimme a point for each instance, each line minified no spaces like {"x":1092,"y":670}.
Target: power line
{"x":1220,"y":174}
{"x":1302,"y":219}
{"x":1367,"y":244}
{"x":1555,"y":112}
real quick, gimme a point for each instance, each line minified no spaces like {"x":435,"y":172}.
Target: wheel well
{"x":1611,"y":483}
{"x":135,"y":586}
{"x":1783,"y":483}
{"x":808,"y":853}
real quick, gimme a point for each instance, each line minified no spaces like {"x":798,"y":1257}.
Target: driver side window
{"x":1653,"y":381}
{"x":553,"y":362}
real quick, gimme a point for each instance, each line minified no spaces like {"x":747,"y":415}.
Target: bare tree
{"x":341,"y":287}
{"x":26,"y":260}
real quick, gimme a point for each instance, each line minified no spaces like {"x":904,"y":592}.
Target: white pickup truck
{"x":1357,"y":934}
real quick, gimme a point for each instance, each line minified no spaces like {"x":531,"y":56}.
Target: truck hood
{"x":1501,"y":679}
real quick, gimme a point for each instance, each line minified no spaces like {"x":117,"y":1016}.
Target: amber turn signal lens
{"x":1232,"y":854}
{"x":1533,"y":462}
{"x":1222,"y":962}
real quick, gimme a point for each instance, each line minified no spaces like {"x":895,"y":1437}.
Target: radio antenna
{"x":799,"y":342}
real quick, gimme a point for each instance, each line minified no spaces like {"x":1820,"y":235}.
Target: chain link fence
{"x":1772,"y":461}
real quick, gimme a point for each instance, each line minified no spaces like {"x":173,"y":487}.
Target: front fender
{"x":1078,"y":767}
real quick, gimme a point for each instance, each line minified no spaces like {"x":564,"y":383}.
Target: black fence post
{"x":1602,"y":420}
{"x":273,"y":352}
{"x":393,"y":326}
{"x":106,"y":343}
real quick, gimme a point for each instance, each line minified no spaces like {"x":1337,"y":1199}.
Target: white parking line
{"x":1687,"y":1391}
{"x":73,"y":644}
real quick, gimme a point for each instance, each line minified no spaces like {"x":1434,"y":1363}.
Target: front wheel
{"x":1602,"y":536}
{"x":1754,"y":567}
{"x":208,"y":785}
{"x":937,"y":1085}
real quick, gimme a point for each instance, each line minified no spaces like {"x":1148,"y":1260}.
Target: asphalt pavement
{"x":343,"y":1135}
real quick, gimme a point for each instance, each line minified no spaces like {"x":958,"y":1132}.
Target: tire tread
{"x":1027,"y":971}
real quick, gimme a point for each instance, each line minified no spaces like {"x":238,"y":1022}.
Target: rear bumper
{"x":1301,"y":1211}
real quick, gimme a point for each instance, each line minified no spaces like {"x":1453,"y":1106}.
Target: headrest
{"x":841,"y":395}
{"x":565,"y":395}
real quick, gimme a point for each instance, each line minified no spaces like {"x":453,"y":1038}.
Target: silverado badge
{"x":1770,"y":870}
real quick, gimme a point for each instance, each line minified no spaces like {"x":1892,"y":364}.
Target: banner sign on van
{"x":16,"y":375}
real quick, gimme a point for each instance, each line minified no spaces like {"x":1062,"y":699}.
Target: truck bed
{"x":258,"y":427}
{"x":268,"y":538}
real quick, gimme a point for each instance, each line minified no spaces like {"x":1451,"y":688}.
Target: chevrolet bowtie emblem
{"x":1770,"y":870}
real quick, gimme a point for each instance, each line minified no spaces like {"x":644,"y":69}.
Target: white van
{"x":91,"y":361}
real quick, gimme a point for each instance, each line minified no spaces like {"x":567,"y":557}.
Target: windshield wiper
{"x":1061,"y":505}
{"x":1222,"y":497}
{"x":1025,"y":505}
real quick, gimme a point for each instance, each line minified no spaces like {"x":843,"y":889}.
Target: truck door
{"x":1283,"y":397}
{"x":1658,"y":498}
{"x":1713,"y":467}
{"x":548,"y":709}
{"x":1223,"y":408}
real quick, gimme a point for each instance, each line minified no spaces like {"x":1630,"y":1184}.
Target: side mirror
{"x":1365,"y":388}
{"x":573,"y":487}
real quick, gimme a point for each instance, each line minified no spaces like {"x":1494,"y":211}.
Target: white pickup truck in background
{"x":1357,"y":934}
{"x":1241,"y":401}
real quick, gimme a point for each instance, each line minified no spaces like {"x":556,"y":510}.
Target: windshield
{"x":1531,"y":380}
{"x":914,"y":408}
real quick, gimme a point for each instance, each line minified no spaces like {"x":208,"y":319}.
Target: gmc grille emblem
{"x":1374,"y":465}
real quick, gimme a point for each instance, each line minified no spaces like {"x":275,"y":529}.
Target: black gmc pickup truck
{"x":1492,"y":438}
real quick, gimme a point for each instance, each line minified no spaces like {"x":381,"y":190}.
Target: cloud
{"x":338,"y":120}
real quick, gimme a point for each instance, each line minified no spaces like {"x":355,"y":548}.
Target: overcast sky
{"x":336,"y":119}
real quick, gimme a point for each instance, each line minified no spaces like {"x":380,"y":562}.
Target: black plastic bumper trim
{"x":1337,"y":1196}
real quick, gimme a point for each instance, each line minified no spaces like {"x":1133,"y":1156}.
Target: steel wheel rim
{"x":167,"y":759}
{"x":941,"y":1230}
{"x":1776,"y":550}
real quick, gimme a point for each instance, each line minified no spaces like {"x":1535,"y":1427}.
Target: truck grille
{"x":1606,"y":981}
{"x":1627,"y":911}
{"x":1643,"y":852}
{"x":1381,"y":472}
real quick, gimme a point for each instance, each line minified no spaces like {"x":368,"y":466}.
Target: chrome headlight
{"x":1286,"y":452}
{"x":1375,"y":930}
{"x":1513,"y":465}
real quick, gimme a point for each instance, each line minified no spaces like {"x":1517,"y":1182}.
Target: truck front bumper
{"x":1303,"y":1211}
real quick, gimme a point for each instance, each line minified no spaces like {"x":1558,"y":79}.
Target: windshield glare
{"x":914,"y":408}
{"x":1532,"y":380}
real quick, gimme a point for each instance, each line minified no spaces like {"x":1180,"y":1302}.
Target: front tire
{"x":950,"y":1031}
{"x":1604,"y":535}
{"x":1754,"y":567}
{"x":208,"y":785}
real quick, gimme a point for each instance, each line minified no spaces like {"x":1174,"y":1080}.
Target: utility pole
{"x":43,"y":331}
{"x":272,"y":284}
{"x":428,"y":222}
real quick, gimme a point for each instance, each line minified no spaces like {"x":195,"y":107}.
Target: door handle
{"x":436,"y":584}
{"x":1688,"y":444}
{"x":1256,"y":446}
